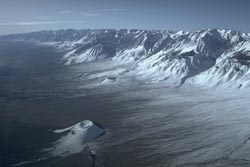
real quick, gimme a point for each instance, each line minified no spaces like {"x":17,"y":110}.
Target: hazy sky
{"x":32,"y":15}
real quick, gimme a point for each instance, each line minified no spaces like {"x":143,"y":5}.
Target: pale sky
{"x":33,"y":15}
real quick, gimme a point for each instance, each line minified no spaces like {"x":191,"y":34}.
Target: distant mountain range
{"x":209,"y":57}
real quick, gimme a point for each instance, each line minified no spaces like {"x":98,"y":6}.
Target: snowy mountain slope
{"x":186,"y":55}
{"x":209,"y":57}
{"x":230,"y":70}
{"x":76,"y":138}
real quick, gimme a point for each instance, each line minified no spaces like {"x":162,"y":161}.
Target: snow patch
{"x":76,"y":138}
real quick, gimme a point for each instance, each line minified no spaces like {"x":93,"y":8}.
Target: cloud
{"x":113,"y":10}
{"x":90,"y":14}
{"x":86,"y":14}
{"x":36,"y":17}
{"x":74,"y":21}
{"x":93,"y":13}
{"x":27,"y":23}
{"x":64,"y":12}
{"x":43,"y":17}
{"x":37,"y":23}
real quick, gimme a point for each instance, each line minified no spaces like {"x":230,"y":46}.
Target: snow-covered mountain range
{"x":209,"y":57}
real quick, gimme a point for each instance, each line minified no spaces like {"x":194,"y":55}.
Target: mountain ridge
{"x":207,"y":57}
